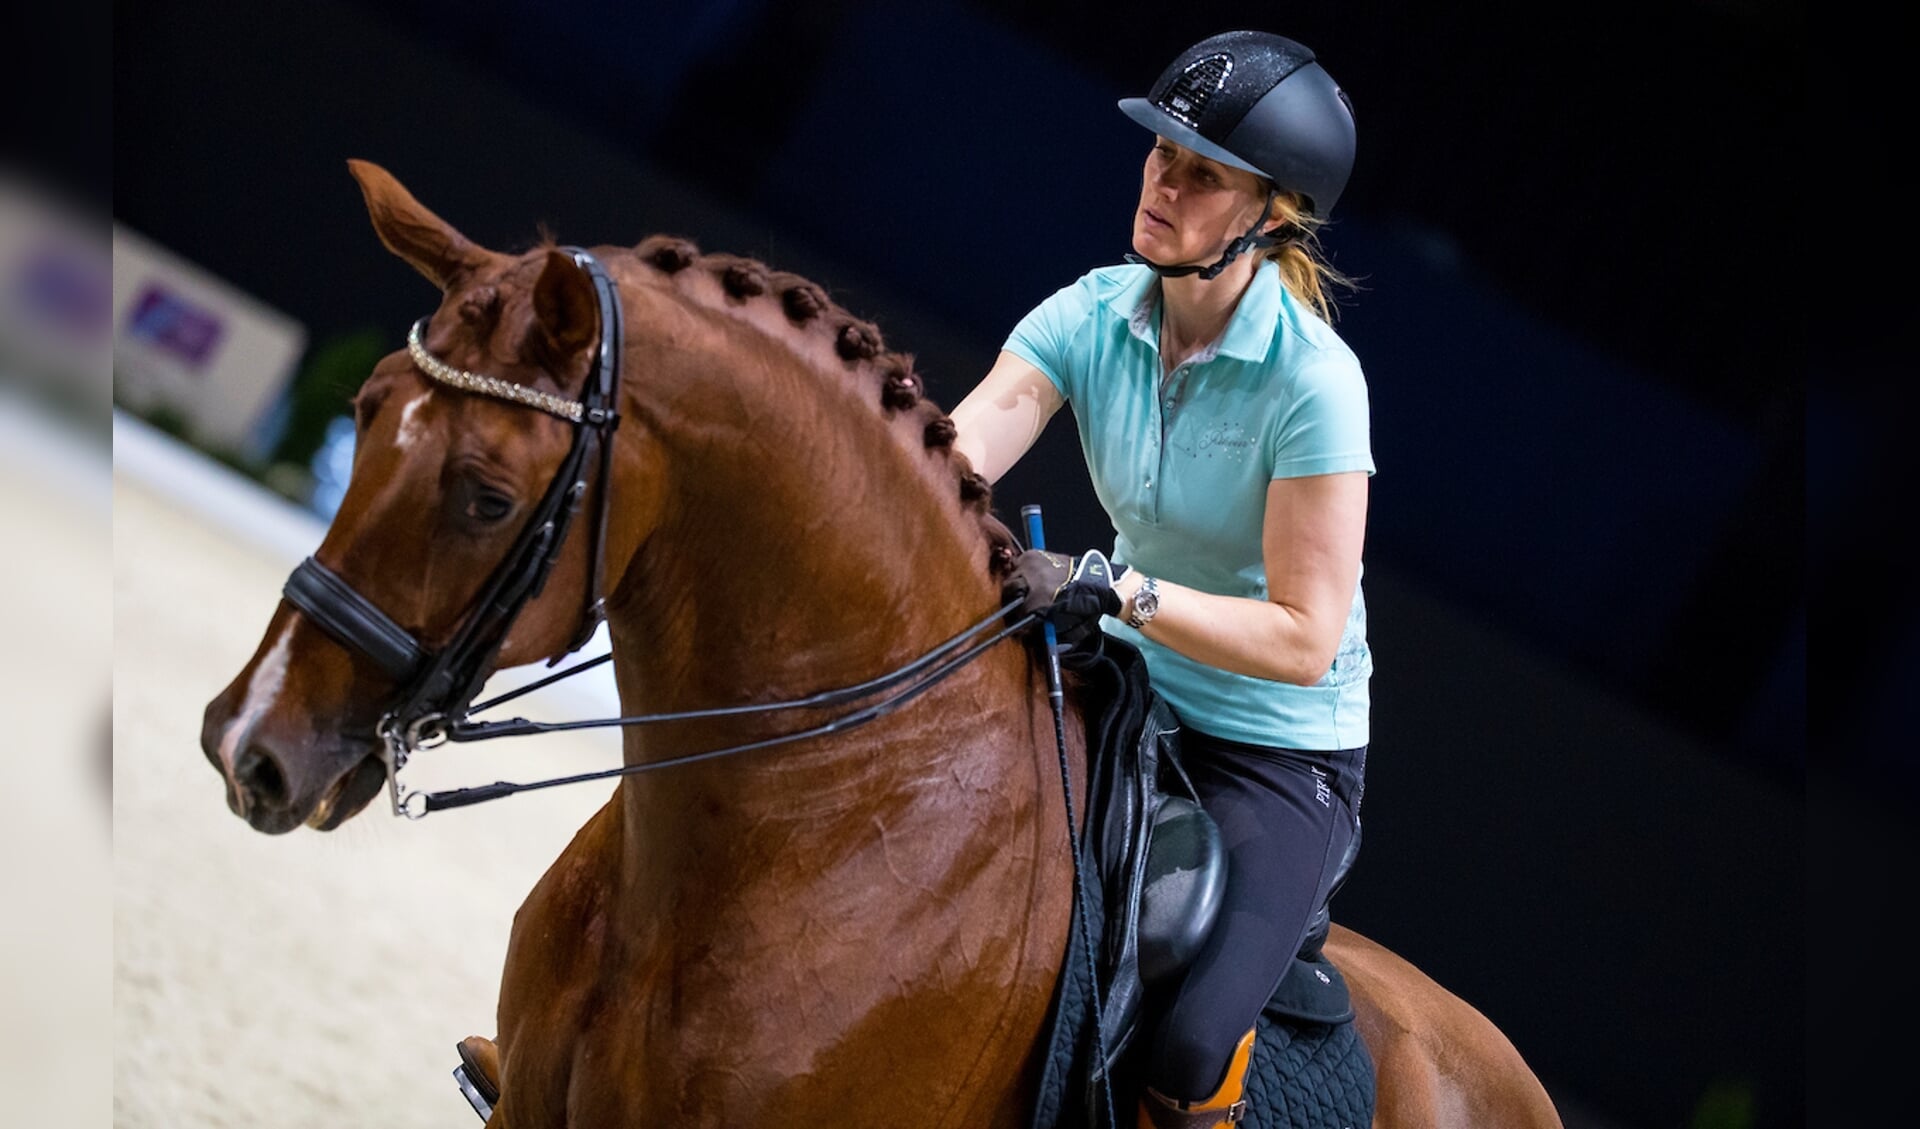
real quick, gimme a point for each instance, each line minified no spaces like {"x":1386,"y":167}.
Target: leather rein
{"x":438,"y":687}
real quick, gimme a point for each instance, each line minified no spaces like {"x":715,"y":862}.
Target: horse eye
{"x":489,"y":506}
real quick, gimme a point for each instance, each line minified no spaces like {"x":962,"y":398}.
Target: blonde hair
{"x":1304,"y":269}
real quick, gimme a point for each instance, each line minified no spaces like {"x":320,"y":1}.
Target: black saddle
{"x":1156,"y":859}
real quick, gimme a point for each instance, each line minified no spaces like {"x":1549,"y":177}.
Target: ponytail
{"x":1304,"y":269}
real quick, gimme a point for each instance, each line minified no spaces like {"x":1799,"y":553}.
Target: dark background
{"x":1581,"y":317}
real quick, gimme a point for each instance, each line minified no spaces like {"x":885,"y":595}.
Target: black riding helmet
{"x":1258,"y":102}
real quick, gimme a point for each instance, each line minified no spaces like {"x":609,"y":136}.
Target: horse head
{"x":443,"y":483}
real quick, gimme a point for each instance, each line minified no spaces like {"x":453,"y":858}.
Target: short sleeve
{"x":1045,"y":338}
{"x":1326,"y":428}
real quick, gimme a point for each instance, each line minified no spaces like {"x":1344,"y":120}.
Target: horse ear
{"x":412,"y":232}
{"x":565,"y":304}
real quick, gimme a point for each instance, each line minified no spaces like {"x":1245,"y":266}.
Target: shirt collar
{"x":1138,"y":302}
{"x":1249,"y":332}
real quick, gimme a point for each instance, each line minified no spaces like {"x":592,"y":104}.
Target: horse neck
{"x":806,"y":541}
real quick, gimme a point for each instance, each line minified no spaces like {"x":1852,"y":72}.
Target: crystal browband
{"x":486,"y":385}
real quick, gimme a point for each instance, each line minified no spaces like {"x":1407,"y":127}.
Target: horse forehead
{"x":435,"y":427}
{"x":412,"y":429}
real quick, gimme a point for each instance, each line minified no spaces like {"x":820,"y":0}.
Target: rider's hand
{"x":1070,"y":593}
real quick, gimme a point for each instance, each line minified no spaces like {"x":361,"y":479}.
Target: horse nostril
{"x":259,"y":774}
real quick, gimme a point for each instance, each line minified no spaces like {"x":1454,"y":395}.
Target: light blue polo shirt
{"x":1183,"y":472}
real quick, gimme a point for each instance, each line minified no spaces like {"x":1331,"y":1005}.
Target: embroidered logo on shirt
{"x":1227,"y":441}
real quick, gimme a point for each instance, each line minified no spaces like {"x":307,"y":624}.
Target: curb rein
{"x":440,"y":686}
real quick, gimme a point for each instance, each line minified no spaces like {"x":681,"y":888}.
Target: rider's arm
{"x":1003,"y":415}
{"x":1311,"y":541}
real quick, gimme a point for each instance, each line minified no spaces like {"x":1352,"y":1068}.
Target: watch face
{"x":1145,"y":602}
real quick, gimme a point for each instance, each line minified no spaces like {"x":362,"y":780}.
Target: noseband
{"x":441,"y":684}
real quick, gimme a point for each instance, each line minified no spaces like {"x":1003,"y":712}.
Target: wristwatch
{"x":1146,"y":602}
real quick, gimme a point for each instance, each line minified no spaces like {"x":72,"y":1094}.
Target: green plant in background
{"x":333,"y":371}
{"x":1727,"y":1104}
{"x":319,"y":394}
{"x":170,"y":421}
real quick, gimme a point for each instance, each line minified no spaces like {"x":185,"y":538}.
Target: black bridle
{"x":438,"y":687}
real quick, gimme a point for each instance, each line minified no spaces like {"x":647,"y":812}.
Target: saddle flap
{"x":1186,"y":881}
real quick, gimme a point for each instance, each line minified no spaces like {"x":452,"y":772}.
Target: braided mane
{"x":737,"y":284}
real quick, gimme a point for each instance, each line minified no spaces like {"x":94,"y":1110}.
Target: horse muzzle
{"x":276,"y":784}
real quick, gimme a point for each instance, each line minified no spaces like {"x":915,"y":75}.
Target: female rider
{"x":1226,"y":431}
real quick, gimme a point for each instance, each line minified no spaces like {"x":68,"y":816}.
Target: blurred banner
{"x":189,"y":346}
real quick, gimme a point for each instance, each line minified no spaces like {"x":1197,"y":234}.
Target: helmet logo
{"x":1186,"y":97}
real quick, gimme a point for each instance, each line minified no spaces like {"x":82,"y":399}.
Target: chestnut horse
{"x":862,"y":928}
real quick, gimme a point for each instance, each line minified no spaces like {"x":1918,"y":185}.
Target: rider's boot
{"x":1227,"y":1106}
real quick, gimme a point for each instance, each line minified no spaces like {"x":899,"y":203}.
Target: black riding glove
{"x":1070,"y":593}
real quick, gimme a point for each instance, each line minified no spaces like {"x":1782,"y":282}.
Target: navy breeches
{"x":1287,"y":818}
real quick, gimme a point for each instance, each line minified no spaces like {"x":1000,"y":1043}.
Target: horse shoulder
{"x":1439,"y":1062}
{"x":555,"y":955}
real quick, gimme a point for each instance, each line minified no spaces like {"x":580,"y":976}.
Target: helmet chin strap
{"x":1246,"y":242}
